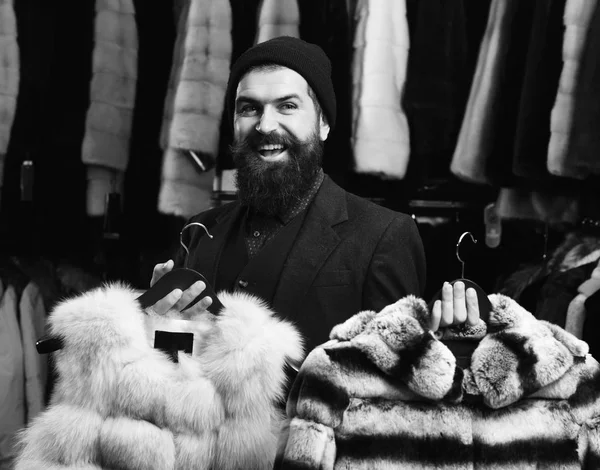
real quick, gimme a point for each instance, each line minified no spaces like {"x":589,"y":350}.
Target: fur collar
{"x":516,"y":356}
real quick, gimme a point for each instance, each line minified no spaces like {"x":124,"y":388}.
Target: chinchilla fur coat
{"x":385,"y":393}
{"x":120,"y":403}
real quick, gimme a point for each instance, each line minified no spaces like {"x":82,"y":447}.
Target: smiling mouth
{"x":271,"y":151}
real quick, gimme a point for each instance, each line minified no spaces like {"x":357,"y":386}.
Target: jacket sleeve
{"x":315,"y":408}
{"x":397,"y":267}
{"x":309,"y":445}
{"x":591,"y":437}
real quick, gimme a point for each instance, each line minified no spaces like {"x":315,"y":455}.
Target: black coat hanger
{"x":463,"y":348}
{"x":182,"y":278}
{"x":179,"y":278}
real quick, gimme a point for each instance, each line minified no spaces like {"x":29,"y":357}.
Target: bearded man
{"x":314,"y":252}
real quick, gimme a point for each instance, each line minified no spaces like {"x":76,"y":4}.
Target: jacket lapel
{"x":315,"y":242}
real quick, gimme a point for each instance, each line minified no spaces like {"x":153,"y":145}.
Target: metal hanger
{"x":462,"y":263}
{"x":187,"y":251}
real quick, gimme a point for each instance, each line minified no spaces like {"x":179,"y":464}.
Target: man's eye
{"x":247,"y":109}
{"x":288,"y":106}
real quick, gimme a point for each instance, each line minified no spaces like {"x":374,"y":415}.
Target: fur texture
{"x":380,"y":134}
{"x":113,"y":86}
{"x":9,"y":76}
{"x":385,"y":393}
{"x":577,"y":17}
{"x":278,"y":18}
{"x":105,"y":146}
{"x":194,"y":104}
{"x":184,"y":191}
{"x":119,"y":403}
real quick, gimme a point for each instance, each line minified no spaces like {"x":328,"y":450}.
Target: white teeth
{"x":271,"y":147}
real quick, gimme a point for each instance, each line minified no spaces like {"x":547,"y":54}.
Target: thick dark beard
{"x":272,"y":188}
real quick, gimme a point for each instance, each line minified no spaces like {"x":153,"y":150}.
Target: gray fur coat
{"x":385,"y":393}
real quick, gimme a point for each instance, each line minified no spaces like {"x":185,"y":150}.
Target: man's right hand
{"x":177,"y":299}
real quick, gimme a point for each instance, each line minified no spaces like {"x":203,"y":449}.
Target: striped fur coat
{"x":384,"y":393}
{"x":120,"y":403}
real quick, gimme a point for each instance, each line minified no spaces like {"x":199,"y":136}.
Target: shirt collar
{"x":303,"y":203}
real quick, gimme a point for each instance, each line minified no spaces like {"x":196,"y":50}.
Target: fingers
{"x":436,"y":315}
{"x":160,"y":270}
{"x":177,"y":300}
{"x":447,"y":305}
{"x":198,"y":307}
{"x":166,"y":303}
{"x":459,"y":303}
{"x":472,"y":307}
{"x":190,"y":294}
{"x":457,"y":306}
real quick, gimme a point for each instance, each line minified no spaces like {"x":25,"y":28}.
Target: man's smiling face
{"x":275,"y":102}
{"x":278,"y":138}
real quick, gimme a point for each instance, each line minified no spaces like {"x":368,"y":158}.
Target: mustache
{"x":255,"y":140}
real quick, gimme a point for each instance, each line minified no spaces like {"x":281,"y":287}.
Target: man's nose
{"x":267,"y":122}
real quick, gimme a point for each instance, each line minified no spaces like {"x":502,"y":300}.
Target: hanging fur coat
{"x":278,"y":18}
{"x":385,"y":393}
{"x":193,"y":106}
{"x":380,"y":137}
{"x":9,"y":76}
{"x":105,"y":147}
{"x":119,"y":403}
{"x":577,"y":20}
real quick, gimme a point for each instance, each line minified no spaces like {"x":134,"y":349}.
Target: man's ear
{"x":323,"y":128}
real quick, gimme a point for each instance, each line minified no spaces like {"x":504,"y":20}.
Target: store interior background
{"x":48,"y":236}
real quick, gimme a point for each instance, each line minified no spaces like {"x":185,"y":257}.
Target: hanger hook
{"x":187,"y":251}
{"x":462,"y":270}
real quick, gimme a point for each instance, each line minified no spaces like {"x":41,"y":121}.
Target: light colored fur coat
{"x":119,"y":403}
{"x":105,"y":146}
{"x":194,"y":105}
{"x":278,"y":18}
{"x":113,"y":86}
{"x":577,"y":18}
{"x":9,"y":76}
{"x":380,"y":134}
{"x":385,"y":393}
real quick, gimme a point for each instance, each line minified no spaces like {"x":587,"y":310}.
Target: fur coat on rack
{"x":193,"y":106}
{"x":380,"y":134}
{"x":119,"y":403}
{"x":9,"y":76}
{"x":113,"y":88}
{"x":385,"y":393}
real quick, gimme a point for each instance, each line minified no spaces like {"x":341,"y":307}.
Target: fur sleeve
{"x":590,"y":445}
{"x":309,"y":445}
{"x":308,"y":439}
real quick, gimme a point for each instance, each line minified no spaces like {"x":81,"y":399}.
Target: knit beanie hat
{"x":309,"y":60}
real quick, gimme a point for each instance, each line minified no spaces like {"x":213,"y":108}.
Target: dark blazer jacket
{"x":349,"y":255}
